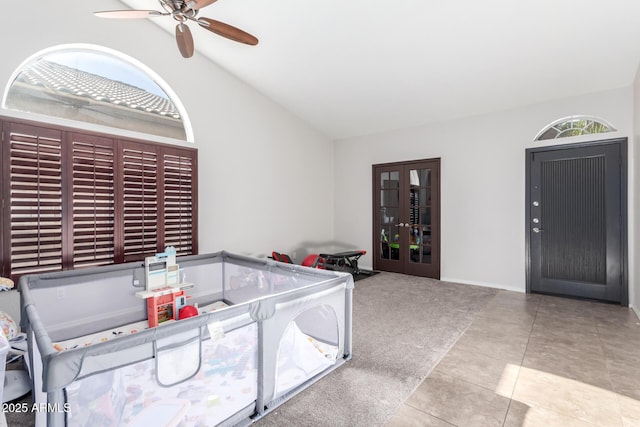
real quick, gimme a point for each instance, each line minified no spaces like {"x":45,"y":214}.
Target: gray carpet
{"x":402,"y":327}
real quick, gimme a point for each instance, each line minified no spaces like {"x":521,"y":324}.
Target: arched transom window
{"x":100,"y":86}
{"x":573,"y":126}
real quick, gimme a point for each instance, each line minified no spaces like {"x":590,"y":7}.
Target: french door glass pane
{"x":390,"y":180}
{"x":420,"y":216}
{"x":389,"y":215}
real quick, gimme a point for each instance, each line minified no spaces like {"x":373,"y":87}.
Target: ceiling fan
{"x":183,"y":11}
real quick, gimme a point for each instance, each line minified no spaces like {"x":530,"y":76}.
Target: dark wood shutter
{"x":93,"y":200}
{"x":140,"y":197}
{"x":35,"y":226}
{"x":179,"y":204}
{"x":76,"y":198}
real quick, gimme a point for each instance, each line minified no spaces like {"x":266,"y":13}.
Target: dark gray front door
{"x":576,"y":220}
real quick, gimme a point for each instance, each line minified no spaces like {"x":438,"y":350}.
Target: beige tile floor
{"x":533,"y":360}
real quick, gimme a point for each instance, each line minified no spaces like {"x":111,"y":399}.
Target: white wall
{"x":634,"y":200}
{"x":265,"y":177}
{"x":483,"y":182}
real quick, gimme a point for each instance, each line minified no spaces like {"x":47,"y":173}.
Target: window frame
{"x":572,"y":119}
{"x":69,"y":135}
{"x":114,"y":55}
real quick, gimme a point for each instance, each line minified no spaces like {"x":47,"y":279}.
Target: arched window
{"x":573,"y":126}
{"x":80,"y":196}
{"x":100,"y":86}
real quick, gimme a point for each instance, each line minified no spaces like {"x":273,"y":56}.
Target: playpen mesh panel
{"x":225,"y":383}
{"x":309,"y":345}
{"x":245,"y":283}
{"x":71,"y":309}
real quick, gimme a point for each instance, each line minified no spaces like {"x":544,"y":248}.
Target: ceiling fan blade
{"x":228,"y":31}
{"x":184,"y":40}
{"x":199,"y":4}
{"x":128,"y":14}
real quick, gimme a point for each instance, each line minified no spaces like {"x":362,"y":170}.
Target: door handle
{"x":537,"y":230}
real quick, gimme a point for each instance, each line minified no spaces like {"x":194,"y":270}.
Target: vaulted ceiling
{"x":354,"y":67}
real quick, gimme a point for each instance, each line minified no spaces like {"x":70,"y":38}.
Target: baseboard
{"x":483,"y":284}
{"x":635,"y":310}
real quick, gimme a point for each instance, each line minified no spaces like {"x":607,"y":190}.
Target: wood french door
{"x":406,"y":217}
{"x":576,"y":220}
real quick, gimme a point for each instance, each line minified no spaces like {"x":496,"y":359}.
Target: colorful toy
{"x":187,"y":311}
{"x":163,"y":292}
{"x":163,"y":308}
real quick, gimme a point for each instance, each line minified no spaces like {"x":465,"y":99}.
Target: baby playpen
{"x":265,"y":332}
